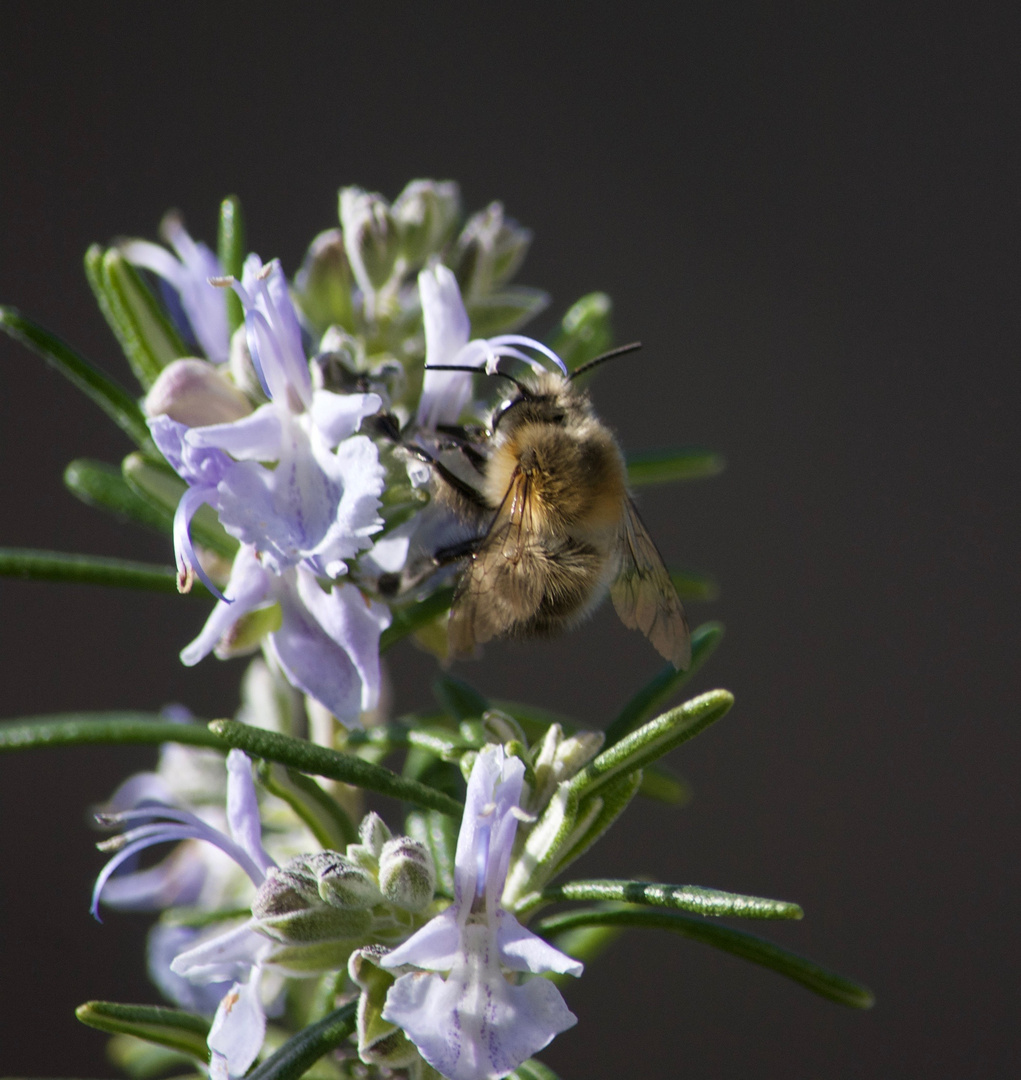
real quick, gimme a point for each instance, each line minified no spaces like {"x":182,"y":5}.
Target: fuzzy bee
{"x":545,"y":489}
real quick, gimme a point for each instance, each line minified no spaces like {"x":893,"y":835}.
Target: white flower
{"x":473,"y":1023}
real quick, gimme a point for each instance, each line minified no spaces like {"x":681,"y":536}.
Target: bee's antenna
{"x":525,"y":392}
{"x":602,"y":358}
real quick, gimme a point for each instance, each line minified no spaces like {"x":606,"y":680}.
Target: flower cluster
{"x":291,"y":440}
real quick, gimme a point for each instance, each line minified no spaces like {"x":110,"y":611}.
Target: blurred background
{"x":809,"y":215}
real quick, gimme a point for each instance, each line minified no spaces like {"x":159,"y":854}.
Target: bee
{"x":546,"y":490}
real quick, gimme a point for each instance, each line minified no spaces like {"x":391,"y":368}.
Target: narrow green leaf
{"x":31,"y":565}
{"x":72,"y":729}
{"x":303,"y":1050}
{"x":809,"y":974}
{"x":98,"y":484}
{"x":320,"y":761}
{"x":323,"y":815}
{"x":584,"y":332}
{"x":533,"y":1070}
{"x":652,"y":740}
{"x":661,"y":785}
{"x":705,"y":639}
{"x":230,"y":247}
{"x":387,"y":737}
{"x":693,"y":898}
{"x":143,"y":1060}
{"x":692,"y":586}
{"x":149,"y":339}
{"x":666,"y":466}
{"x":172,"y":1028}
{"x":597,"y":812}
{"x":112,"y":398}
{"x":409,"y":619}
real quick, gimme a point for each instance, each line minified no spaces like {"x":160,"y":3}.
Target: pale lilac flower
{"x":472,"y":1023}
{"x":447,"y":334}
{"x":319,"y":503}
{"x":188,"y":275}
{"x":236,"y":956}
{"x":327,"y":643}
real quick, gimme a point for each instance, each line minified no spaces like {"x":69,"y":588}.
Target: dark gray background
{"x":810,"y":216}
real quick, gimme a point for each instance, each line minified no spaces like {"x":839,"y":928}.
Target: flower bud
{"x":407,"y":876}
{"x":373,"y":832}
{"x":342,"y":882}
{"x":322,"y":287}
{"x":288,"y":888}
{"x":489,"y":250}
{"x":195,"y":393}
{"x":371,"y":237}
{"x":379,"y":1041}
{"x":425,"y":212}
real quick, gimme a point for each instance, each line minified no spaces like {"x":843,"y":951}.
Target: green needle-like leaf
{"x":584,"y":332}
{"x":652,"y":740}
{"x":533,"y":1070}
{"x":303,"y":1050}
{"x":146,"y":335}
{"x":407,"y":620}
{"x":705,"y":639}
{"x":306,"y":757}
{"x":231,"y":249}
{"x":692,"y":586}
{"x":693,"y":898}
{"x":99,"y":484}
{"x":817,"y":979}
{"x":72,"y":729}
{"x":112,"y":398}
{"x":321,"y":813}
{"x":171,"y":1028}
{"x":666,"y":466}
{"x":31,"y":565}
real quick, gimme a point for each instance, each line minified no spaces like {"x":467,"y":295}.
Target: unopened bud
{"x":342,"y":882}
{"x":322,"y":287}
{"x":370,"y":237}
{"x":425,"y":212}
{"x":373,"y":832}
{"x":407,"y":876}
{"x":195,"y":393}
{"x":489,"y":250}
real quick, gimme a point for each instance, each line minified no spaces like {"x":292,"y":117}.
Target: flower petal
{"x":339,"y":416}
{"x":239,"y":1026}
{"x":223,"y":956}
{"x":444,"y":393}
{"x":248,"y":587}
{"x":521,"y":950}
{"x":434,"y":947}
{"x":243,"y":810}
{"x":252,"y":438}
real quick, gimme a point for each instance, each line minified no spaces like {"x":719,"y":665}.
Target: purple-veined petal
{"x":434,"y":947}
{"x":257,"y":437}
{"x":521,"y":950}
{"x":354,"y":623}
{"x":502,"y":341}
{"x":314,"y":661}
{"x":239,"y":1027}
{"x":243,"y":810}
{"x":249,"y":586}
{"x":475,"y":1025}
{"x":339,"y":416}
{"x":274,"y":334}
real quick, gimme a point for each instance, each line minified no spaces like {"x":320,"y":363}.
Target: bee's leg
{"x":395,"y":584}
{"x":457,"y":552}
{"x":462,"y":487}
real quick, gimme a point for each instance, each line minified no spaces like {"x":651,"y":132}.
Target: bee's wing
{"x":644,"y":595}
{"x":503,"y":584}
